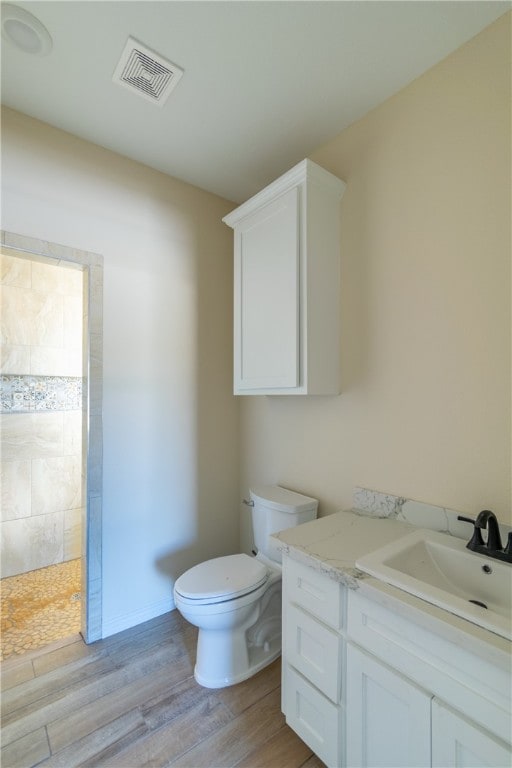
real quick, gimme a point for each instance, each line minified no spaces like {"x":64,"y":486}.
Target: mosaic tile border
{"x":25,"y":393}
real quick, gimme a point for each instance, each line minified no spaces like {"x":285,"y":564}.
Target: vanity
{"x":375,"y":676}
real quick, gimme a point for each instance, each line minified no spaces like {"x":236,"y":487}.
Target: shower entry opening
{"x":51,"y":438}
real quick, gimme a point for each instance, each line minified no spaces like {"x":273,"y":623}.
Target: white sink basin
{"x":439,"y":569}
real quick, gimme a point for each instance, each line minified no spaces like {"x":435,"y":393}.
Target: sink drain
{"x":478,"y":602}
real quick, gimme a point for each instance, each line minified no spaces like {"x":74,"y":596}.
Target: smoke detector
{"x":146,"y":73}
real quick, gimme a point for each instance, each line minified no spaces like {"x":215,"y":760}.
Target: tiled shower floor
{"x":40,"y":607}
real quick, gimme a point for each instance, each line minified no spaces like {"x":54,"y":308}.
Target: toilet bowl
{"x":235,"y":600}
{"x":249,"y":596}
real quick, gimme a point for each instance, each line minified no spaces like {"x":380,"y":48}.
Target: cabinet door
{"x":388,"y":717}
{"x":267,"y":297}
{"x":460,"y":743}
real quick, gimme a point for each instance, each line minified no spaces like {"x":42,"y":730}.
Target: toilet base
{"x":259,"y":658}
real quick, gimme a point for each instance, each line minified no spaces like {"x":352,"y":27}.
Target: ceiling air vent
{"x":146,"y":73}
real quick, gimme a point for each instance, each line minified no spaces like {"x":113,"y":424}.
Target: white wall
{"x":170,"y":457}
{"x":425,"y":304}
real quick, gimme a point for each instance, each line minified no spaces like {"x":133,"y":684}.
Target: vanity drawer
{"x":314,"y":650}
{"x":316,"y":592}
{"x":313,"y":717}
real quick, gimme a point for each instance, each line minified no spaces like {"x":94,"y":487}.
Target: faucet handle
{"x":466,"y":519}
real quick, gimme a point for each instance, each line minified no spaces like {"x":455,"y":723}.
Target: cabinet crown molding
{"x":304,"y":171}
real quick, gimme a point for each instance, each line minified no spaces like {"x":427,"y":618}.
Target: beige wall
{"x":426,"y":219}
{"x":170,"y":453}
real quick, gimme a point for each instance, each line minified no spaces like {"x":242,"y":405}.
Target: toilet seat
{"x":221,"y":579}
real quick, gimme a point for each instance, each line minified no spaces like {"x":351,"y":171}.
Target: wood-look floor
{"x":131,"y":701}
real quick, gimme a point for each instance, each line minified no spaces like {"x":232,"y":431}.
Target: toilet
{"x":236,"y":600}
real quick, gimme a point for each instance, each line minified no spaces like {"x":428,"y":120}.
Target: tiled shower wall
{"x":41,"y":413}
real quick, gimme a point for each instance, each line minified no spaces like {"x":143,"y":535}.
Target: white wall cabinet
{"x":287,"y":285}
{"x":365,"y":687}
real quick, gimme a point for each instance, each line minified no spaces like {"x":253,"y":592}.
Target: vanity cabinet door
{"x":266,"y":276}
{"x":460,"y":743}
{"x":387,"y":717}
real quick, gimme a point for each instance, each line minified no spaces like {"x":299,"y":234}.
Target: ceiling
{"x":264,"y":84}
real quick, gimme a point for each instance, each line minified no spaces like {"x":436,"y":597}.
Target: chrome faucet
{"x":486,"y":520}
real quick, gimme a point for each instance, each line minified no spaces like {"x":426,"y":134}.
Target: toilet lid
{"x":222,"y":578}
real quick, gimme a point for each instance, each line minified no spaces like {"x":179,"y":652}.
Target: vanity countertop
{"x":332,"y":544}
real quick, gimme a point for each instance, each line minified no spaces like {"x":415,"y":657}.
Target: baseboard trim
{"x":115,"y":624}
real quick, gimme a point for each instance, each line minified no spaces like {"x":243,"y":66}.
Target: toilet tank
{"x":274,"y":509}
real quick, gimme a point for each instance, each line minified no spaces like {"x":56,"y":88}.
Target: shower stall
{"x":50,"y":539}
